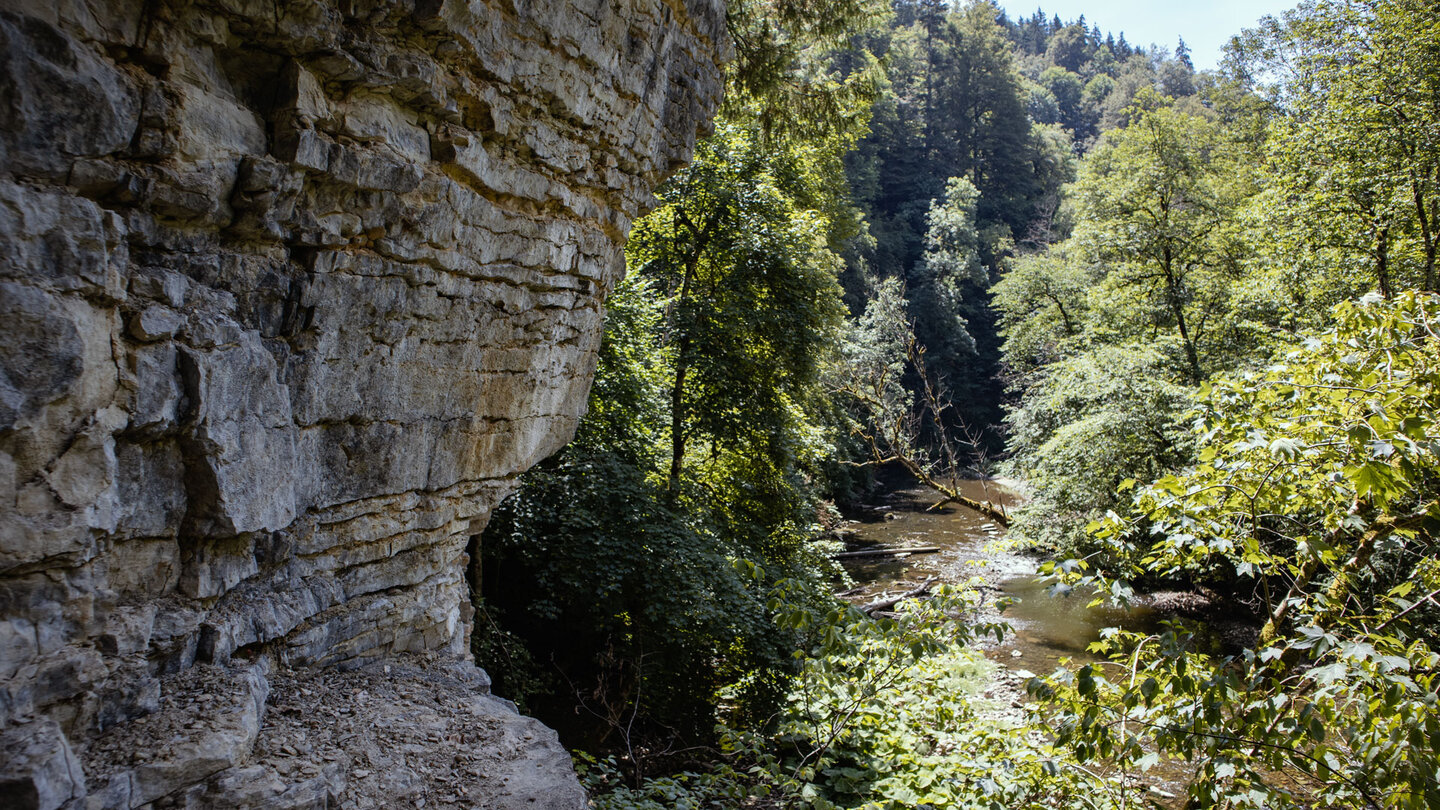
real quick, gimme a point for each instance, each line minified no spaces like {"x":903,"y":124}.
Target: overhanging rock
{"x":290,"y":293}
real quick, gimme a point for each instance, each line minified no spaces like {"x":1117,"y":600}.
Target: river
{"x":1043,"y":629}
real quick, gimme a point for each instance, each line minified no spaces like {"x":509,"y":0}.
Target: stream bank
{"x":973,"y":548}
{"x":1043,"y":630}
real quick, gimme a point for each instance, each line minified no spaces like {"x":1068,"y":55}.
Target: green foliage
{"x":783,"y":78}
{"x":952,"y":113}
{"x":1068,"y":90}
{"x":1067,"y":49}
{"x":1316,"y":485}
{"x":661,"y":573}
{"x":876,"y":351}
{"x":1044,"y":308}
{"x":890,"y":426}
{"x":508,"y":659}
{"x":753,"y":312}
{"x":627,"y":404}
{"x":1354,"y":156}
{"x":1092,"y":421}
{"x":636,"y":604}
{"x":949,"y":265}
{"x":1208,"y":230}
{"x":1092,"y":80}
{"x":1107,"y":330}
{"x":952,"y":242}
{"x":977,"y":126}
{"x":953,"y":107}
{"x":702,"y":450}
{"x":884,"y":715}
{"x":1156,"y":203}
{"x":960,"y":82}
{"x":1041,"y":104}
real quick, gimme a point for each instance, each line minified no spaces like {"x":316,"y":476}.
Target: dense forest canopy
{"x":1193,"y":311}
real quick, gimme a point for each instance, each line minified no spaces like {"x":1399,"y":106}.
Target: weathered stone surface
{"x":415,"y":729}
{"x":291,"y":292}
{"x":206,"y":722}
{"x":38,"y":771}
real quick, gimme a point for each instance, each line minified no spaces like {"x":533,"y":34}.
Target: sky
{"x":1206,"y":24}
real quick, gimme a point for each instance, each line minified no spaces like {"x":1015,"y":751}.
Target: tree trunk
{"x":886,"y":604}
{"x":677,"y":416}
{"x":1191,"y":355}
{"x":1382,"y":260}
{"x":682,"y":353}
{"x":986,"y":508}
{"x":1339,"y":588}
{"x":953,"y":494}
{"x":884,"y":552}
{"x":1064,"y":316}
{"x":1422,"y":213}
{"x":1177,"y":307}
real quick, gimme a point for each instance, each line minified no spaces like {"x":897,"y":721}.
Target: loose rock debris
{"x":415,"y":731}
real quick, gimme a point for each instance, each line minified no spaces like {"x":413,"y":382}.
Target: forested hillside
{"x":1193,"y":312}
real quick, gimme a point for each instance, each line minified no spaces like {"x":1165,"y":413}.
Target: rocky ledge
{"x":291,"y":292}
{"x":418,"y":730}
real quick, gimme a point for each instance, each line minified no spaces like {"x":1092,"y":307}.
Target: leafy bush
{"x":884,"y":714}
{"x":1316,"y":489}
{"x":636,"y":607}
{"x":1091,"y":422}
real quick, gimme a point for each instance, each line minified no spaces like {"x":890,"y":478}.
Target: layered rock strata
{"x":290,"y":292}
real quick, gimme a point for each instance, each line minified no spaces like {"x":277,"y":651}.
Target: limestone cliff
{"x":290,"y":292}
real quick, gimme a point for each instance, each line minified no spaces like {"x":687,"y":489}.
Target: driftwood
{"x":883,"y":552}
{"x":886,"y":604}
{"x":952,"y":495}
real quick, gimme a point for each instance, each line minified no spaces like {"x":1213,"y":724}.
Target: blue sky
{"x":1206,"y":24}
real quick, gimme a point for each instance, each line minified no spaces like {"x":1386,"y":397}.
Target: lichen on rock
{"x":291,"y":293}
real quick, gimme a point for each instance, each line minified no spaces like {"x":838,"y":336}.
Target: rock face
{"x":290,"y":293}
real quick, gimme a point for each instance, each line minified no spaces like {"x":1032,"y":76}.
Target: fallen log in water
{"x":886,"y":604}
{"x":986,"y":508}
{"x":882,"y":552}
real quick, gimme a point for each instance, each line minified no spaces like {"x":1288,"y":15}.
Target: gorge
{"x":292,"y":292}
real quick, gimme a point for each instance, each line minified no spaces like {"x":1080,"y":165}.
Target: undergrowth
{"x":884,"y":714}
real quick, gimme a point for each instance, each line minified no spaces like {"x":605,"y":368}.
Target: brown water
{"x":1044,"y":630}
{"x":903,"y":520}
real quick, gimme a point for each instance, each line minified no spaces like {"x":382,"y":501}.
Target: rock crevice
{"x":291,"y":292}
